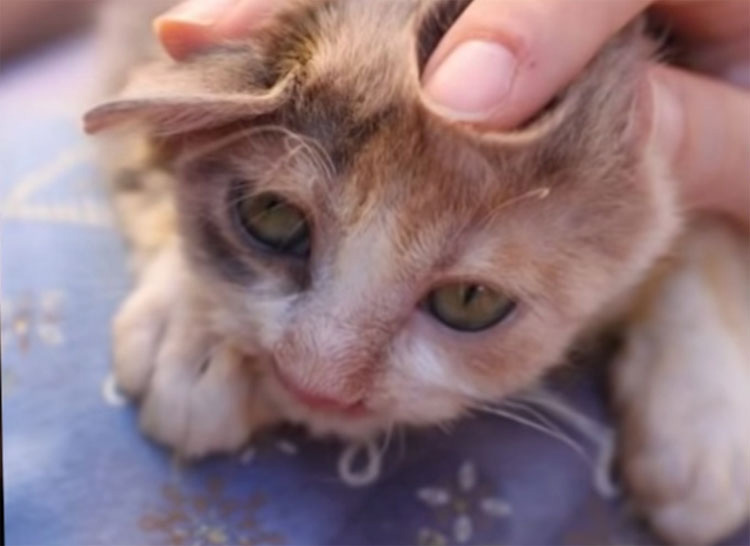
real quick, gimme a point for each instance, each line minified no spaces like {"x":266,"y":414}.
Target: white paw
{"x":682,"y":387}
{"x":141,"y":324}
{"x":198,"y":395}
{"x":200,"y":399}
{"x":694,"y":486}
{"x":686,"y":436}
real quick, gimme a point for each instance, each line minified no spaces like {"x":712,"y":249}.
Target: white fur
{"x":683,"y":386}
{"x":199,"y":395}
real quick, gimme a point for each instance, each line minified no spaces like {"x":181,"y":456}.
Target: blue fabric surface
{"x":77,"y":470}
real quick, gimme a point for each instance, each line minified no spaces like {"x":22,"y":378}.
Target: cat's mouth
{"x":320,"y":403}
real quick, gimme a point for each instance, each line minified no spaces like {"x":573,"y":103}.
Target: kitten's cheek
{"x":421,"y":326}
{"x":424,"y":339}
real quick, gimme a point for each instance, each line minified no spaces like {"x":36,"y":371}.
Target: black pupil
{"x":469,"y":294}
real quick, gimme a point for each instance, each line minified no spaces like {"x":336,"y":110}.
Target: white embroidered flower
{"x":495,"y":507}
{"x":464,"y":502}
{"x":434,"y":496}
{"x":30,"y":319}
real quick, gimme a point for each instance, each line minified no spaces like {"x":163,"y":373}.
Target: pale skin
{"x":519,"y":53}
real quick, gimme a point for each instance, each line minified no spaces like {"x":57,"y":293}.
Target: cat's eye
{"x":275,"y":223}
{"x":469,"y":307}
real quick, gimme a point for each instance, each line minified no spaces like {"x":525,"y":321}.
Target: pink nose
{"x":321,"y":402}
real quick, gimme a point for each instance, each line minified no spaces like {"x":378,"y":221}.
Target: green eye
{"x":275,"y":223}
{"x":468,"y":307}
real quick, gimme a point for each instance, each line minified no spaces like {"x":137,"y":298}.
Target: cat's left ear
{"x":171,"y":99}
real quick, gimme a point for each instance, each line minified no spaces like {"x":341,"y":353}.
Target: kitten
{"x":313,"y":244}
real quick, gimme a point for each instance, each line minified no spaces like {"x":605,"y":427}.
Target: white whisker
{"x":539,"y":416}
{"x":570,"y":442}
{"x":387,"y":438}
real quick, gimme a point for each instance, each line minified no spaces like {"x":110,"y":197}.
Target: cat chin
{"x":323,"y":426}
{"x":359,"y":427}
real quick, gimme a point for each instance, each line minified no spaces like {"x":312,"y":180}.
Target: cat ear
{"x":170,"y":99}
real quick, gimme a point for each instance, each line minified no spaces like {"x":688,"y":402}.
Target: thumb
{"x":703,"y":125}
{"x":194,"y":25}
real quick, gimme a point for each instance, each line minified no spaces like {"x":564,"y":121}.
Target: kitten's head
{"x":385,"y":265}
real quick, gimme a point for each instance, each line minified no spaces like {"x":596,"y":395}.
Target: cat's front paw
{"x":201,"y":398}
{"x":694,"y":488}
{"x":198,"y":395}
{"x":686,"y":441}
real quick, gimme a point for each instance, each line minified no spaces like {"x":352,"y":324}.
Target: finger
{"x":712,"y":34}
{"x":704,"y":127}
{"x":503,"y":60}
{"x":196,"y":24}
{"x":706,"y":20}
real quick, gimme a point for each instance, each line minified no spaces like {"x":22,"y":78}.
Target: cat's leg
{"x":198,"y":394}
{"x":682,"y":388}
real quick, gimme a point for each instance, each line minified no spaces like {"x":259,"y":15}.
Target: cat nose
{"x":320,"y":402}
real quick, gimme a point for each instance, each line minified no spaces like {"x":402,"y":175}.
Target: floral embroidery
{"x":23,"y":203}
{"x":210,"y":517}
{"x":22,"y":319}
{"x":16,"y":323}
{"x":461,"y":507}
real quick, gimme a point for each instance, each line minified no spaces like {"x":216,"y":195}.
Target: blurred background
{"x":47,"y":53}
{"x":25,"y":24}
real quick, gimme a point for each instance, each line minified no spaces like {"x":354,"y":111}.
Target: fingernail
{"x":201,"y":13}
{"x":188,"y":26}
{"x":472,"y":81}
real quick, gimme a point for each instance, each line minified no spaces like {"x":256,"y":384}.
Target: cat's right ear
{"x":170,"y":99}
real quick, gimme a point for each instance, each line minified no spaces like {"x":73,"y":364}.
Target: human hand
{"x":520,"y":53}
